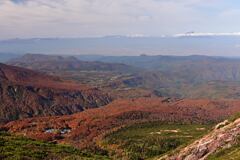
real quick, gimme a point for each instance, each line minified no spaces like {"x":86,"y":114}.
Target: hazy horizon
{"x":189,"y":44}
{"x":153,"y":27}
{"x":113,"y":55}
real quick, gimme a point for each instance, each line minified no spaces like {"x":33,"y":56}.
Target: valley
{"x":169,"y":76}
{"x":87,"y":129}
{"x":114,"y":110}
{"x":119,"y":80}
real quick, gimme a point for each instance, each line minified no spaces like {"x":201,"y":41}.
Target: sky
{"x":91,"y":18}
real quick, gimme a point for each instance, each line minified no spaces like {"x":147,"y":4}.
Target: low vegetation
{"x":145,"y":141}
{"x":18,"y":148}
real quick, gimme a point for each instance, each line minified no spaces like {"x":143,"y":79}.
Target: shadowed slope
{"x":25,"y":93}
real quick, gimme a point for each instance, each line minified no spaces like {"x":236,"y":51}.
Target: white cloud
{"x":193,"y":34}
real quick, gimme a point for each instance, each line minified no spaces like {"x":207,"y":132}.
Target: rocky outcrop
{"x":223,"y":136}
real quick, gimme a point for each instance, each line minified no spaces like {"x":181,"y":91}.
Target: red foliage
{"x":88,"y":126}
{"x":25,"y":93}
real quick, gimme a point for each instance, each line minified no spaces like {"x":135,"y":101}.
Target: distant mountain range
{"x":195,"y":68}
{"x":42,"y":62}
{"x":182,"y":44}
{"x":4,"y":57}
{"x":84,"y":100}
{"x":134,"y":76}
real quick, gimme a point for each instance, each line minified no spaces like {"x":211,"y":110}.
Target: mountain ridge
{"x":55,"y":62}
{"x":25,"y":93}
